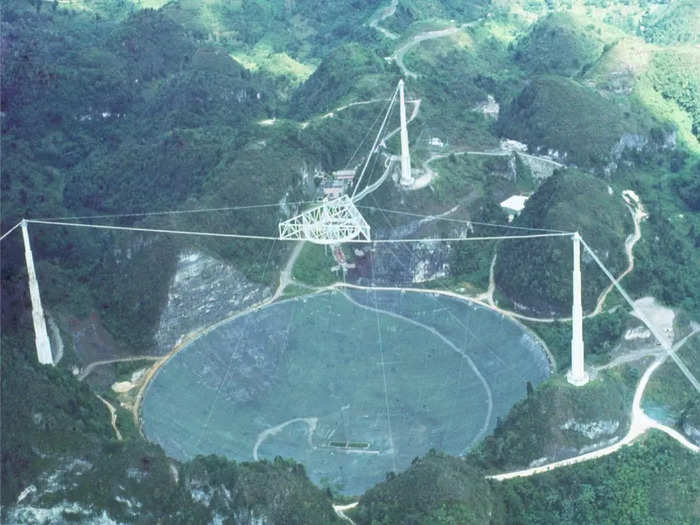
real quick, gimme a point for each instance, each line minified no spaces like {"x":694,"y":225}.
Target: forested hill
{"x":137,"y":106}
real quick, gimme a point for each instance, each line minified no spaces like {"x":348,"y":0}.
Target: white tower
{"x":41,"y":337}
{"x":577,"y":375}
{"x":406,"y":178}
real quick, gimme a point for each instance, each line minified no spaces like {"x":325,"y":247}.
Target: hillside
{"x":623,"y":488}
{"x":537,"y":273}
{"x":574,"y":123}
{"x":435,"y":489}
{"x":562,"y":44}
{"x":676,"y":23}
{"x":56,"y":441}
{"x":151,"y":110}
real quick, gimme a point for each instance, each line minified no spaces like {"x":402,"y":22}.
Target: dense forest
{"x":138,"y":106}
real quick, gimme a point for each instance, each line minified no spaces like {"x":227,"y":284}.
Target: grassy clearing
{"x":313,"y":266}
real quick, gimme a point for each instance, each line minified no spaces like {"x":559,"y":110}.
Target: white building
{"x":514,"y":205}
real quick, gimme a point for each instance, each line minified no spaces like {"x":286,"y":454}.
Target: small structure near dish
{"x":514,"y":205}
{"x":337,"y":183}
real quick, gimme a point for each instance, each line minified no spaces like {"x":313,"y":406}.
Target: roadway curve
{"x":414,"y":41}
{"x":638,"y":215}
{"x":89,"y":368}
{"x":399,"y":53}
{"x":112,"y":415}
{"x":389,"y":11}
{"x":340,"y":511}
{"x":310,"y":422}
{"x":639,"y":424}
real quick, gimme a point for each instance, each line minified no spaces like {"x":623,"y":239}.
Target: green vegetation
{"x":314,"y":265}
{"x":55,"y":428}
{"x":560,"y":114}
{"x":435,"y":489}
{"x":674,"y":75}
{"x":349,"y":68}
{"x":537,"y":273}
{"x":111,"y":108}
{"x":669,"y":391}
{"x":670,"y":241}
{"x":543,"y":424}
{"x":600,"y":334}
{"x":654,"y":481}
{"x":676,"y":23}
{"x":470,"y":263}
{"x":560,"y":43}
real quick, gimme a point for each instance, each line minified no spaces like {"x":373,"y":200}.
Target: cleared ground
{"x":352,"y":384}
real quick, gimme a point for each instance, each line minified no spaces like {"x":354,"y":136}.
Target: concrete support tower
{"x":41,"y":336}
{"x":577,"y":375}
{"x":406,"y":178}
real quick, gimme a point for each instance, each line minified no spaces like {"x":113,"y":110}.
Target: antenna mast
{"x":577,"y":375}
{"x":41,"y":337}
{"x":406,"y":178}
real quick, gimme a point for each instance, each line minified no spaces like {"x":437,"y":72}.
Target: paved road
{"x":89,"y":368}
{"x":639,"y":424}
{"x":340,"y":511}
{"x":414,"y":41}
{"x":112,"y":414}
{"x":389,"y":11}
{"x":399,"y":53}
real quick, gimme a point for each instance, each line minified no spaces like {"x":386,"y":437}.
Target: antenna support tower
{"x":577,"y":375}
{"x":41,"y":337}
{"x":332,"y":222}
{"x":406,"y":178}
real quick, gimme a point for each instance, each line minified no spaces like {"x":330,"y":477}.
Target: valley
{"x":209,"y":370}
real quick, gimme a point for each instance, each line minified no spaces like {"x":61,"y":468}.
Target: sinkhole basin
{"x":351,"y":383}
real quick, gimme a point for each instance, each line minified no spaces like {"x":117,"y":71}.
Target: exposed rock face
{"x":405,"y":264}
{"x":490,"y":108}
{"x":40,"y":503}
{"x":629,"y":141}
{"x":636,"y":142}
{"x":593,"y":429}
{"x":692,"y":433}
{"x":203,"y":290}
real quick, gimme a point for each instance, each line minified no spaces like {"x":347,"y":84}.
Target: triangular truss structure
{"x":338,"y":220}
{"x":331,"y":222}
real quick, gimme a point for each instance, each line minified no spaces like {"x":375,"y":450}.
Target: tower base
{"x":407,"y":182}
{"x":577,"y":380}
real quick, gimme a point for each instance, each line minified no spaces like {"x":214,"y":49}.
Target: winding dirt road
{"x":639,"y":424}
{"x":389,"y":11}
{"x":340,"y":510}
{"x":113,"y":416}
{"x":89,"y":368}
{"x":638,"y":215}
{"x":400,"y":52}
{"x":311,"y":422}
